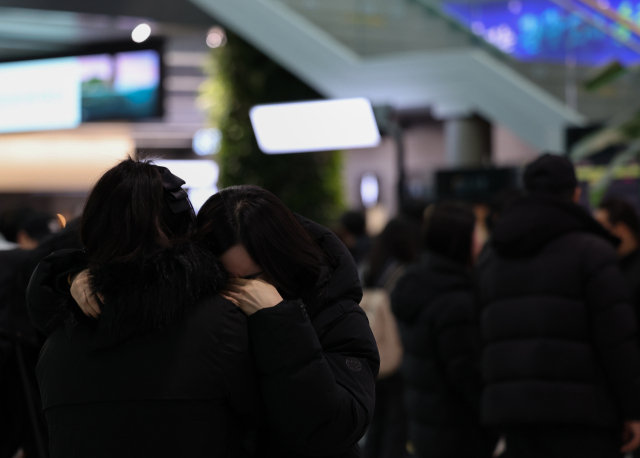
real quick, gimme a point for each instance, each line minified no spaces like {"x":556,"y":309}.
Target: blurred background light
{"x":31,"y":101}
{"x":141,"y":33}
{"x":207,"y":141}
{"x":369,"y":189}
{"x":63,"y":160}
{"x":315,"y":126}
{"x":555,"y":32}
{"x":515,"y":6}
{"x":216,"y":37}
{"x":62,"y":220}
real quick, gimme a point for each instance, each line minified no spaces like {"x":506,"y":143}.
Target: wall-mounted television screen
{"x":61,"y":93}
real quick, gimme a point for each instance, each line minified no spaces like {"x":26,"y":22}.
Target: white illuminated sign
{"x":369,"y":190}
{"x":315,"y":126}
{"x":40,"y":95}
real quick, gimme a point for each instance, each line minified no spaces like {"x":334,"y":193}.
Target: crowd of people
{"x":251,"y":331}
{"x":523,"y":346}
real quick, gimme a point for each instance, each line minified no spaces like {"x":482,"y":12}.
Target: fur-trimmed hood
{"x":149,"y":294}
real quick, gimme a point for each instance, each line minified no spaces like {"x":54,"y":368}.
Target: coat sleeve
{"x":319,"y":391}
{"x":47,"y":288}
{"x":613,"y":325}
{"x":241,"y":383}
{"x":457,"y":342}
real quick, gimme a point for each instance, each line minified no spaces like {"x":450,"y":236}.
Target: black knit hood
{"x":146,"y":295}
{"x":534,"y":221}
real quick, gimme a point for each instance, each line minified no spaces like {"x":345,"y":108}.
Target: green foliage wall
{"x":240,"y":77}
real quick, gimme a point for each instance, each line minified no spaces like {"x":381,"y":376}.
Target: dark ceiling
{"x":30,"y":28}
{"x":171,"y":11}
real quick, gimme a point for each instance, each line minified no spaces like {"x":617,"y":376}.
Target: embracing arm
{"x":319,"y":392}
{"x":48,"y":287}
{"x":241,"y":383}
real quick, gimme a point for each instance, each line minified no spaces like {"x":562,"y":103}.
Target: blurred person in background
{"x":352,"y":231}
{"x":34,"y":228}
{"x":317,"y":359}
{"x":394,"y":248}
{"x":560,"y":361}
{"x":166,"y":371}
{"x":9,"y":222}
{"x":436,"y":308}
{"x":621,"y":220}
{"x":22,"y":424}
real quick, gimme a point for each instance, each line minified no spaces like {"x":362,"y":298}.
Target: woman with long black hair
{"x":166,"y":370}
{"x":316,"y":356}
{"x":298,"y":284}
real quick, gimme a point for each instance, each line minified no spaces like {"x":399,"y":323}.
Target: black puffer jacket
{"x":436,"y":309}
{"x":318,"y":362}
{"x":558,"y":331}
{"x":166,"y":370}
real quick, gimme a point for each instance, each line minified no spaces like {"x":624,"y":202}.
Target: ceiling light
{"x":315,"y":126}
{"x":207,"y":141}
{"x":369,"y":190}
{"x":141,"y":33}
{"x":216,"y":37}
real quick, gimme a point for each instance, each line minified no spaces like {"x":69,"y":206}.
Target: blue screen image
{"x":62,"y":93}
{"x":542,"y":31}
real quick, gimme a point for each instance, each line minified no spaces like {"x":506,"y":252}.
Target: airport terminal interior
{"x":414,"y":226}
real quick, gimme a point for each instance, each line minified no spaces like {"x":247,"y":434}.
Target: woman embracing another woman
{"x":315,"y":357}
{"x":166,"y":370}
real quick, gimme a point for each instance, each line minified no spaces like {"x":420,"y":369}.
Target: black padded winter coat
{"x":166,"y":371}
{"x":558,"y":331}
{"x":436,"y":309}
{"x":317,"y":362}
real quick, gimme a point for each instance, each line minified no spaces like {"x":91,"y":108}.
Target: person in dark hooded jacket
{"x":436,"y":308}
{"x":166,"y":371}
{"x":298,"y":284}
{"x":560,"y":360}
{"x":21,"y":417}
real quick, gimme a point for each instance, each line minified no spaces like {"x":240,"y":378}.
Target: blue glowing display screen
{"x":61,"y":93}
{"x":542,"y":31}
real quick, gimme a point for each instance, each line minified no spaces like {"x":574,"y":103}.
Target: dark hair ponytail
{"x":126,"y":215}
{"x":268,"y":230}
